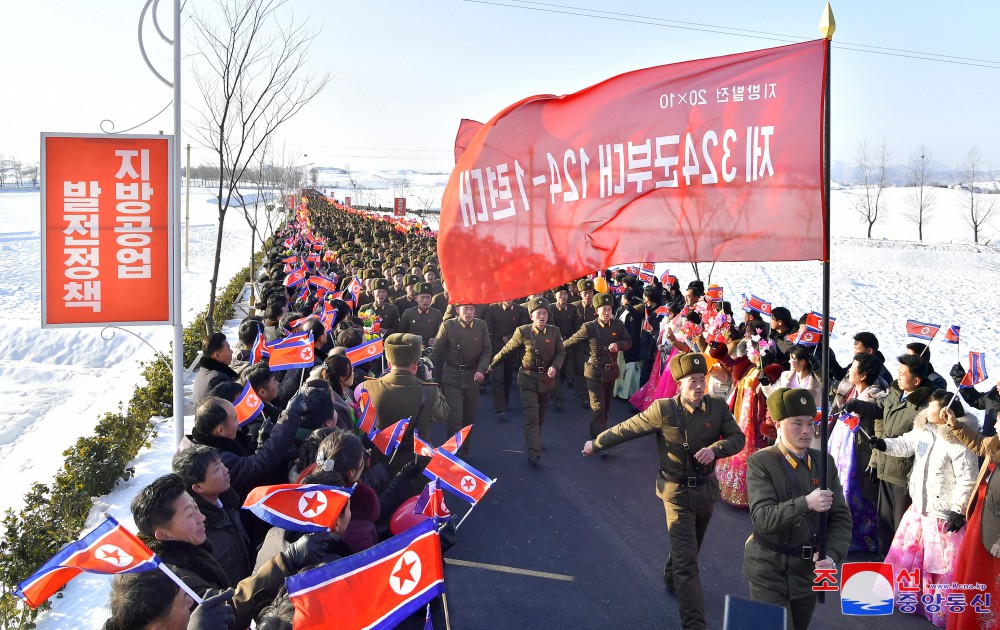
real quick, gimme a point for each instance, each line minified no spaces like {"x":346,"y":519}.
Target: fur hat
{"x":603,"y":299}
{"x":536,"y":303}
{"x":585,"y":285}
{"x":789,"y":403}
{"x":403,"y":348}
{"x":688,"y":363}
{"x":424,"y":288}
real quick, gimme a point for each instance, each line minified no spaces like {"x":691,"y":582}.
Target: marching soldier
{"x":585,"y":312}
{"x":605,"y":337}
{"x":422,"y":319}
{"x":381,"y":308}
{"x":503,"y":318}
{"x":409,"y":300}
{"x":461,"y":355}
{"x":543,"y":356}
{"x":564,"y":317}
{"x":780,"y":557}
{"x":693,"y":431}
{"x":398,"y":288}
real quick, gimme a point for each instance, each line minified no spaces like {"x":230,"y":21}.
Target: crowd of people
{"x":731,"y":395}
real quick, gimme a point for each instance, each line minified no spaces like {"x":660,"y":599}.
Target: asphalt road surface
{"x":581,"y":542}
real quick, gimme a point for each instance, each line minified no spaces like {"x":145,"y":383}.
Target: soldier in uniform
{"x":366,"y":297}
{"x":440,"y":302}
{"x":543,"y":356}
{"x":430,"y":276}
{"x":398,"y":288}
{"x":783,"y":483}
{"x":564,"y":317}
{"x":605,"y":337}
{"x":400,"y":394}
{"x":693,"y":431}
{"x":503,"y":318}
{"x":410,"y":299}
{"x":461,"y":355}
{"x":585,"y":312}
{"x":422,"y":319}
{"x":381,"y":308}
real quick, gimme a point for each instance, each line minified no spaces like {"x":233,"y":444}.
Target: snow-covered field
{"x":58,"y":381}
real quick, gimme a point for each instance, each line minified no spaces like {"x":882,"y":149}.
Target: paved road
{"x":587,"y":537}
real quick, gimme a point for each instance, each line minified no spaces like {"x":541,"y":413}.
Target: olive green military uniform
{"x":459,"y":351}
{"x":388,"y":314}
{"x":424,"y":323}
{"x":566,"y":319}
{"x":404,"y":303}
{"x":502,"y":323}
{"x":584,"y":313}
{"x":440,"y":302}
{"x":688,"y":489}
{"x":601,"y":367}
{"x":540,"y":350}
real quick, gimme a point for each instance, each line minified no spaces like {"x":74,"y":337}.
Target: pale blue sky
{"x":405,"y":73}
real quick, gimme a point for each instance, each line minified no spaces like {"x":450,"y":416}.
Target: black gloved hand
{"x":307,"y":550}
{"x":877,"y":443}
{"x":850,"y":406}
{"x":412,"y":469}
{"x":448,"y":535}
{"x":872,"y":474}
{"x":763,"y":379}
{"x":957,"y":373}
{"x":214,"y":612}
{"x":955,"y":521}
{"x":297,"y":404}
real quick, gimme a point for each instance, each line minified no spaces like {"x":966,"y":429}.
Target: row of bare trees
{"x":14,"y":172}
{"x":868,"y":197}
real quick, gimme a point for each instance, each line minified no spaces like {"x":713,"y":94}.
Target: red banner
{"x":106,"y":230}
{"x":399,"y":206}
{"x":708,"y":160}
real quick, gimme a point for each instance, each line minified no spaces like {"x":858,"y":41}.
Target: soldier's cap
{"x":424,"y":288}
{"x":411,"y":280}
{"x":399,"y":270}
{"x":688,"y":363}
{"x":788,"y":403}
{"x":536,"y":303}
{"x":561,"y":287}
{"x":603,"y":299}
{"x":402,"y":348}
{"x":585,"y":284}
{"x":381,"y":283}
{"x":428,"y":268}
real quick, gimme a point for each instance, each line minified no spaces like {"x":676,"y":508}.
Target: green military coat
{"x":389,"y":315}
{"x":425,"y":324}
{"x":602,"y":364}
{"x":460,"y":351}
{"x":542,"y":350}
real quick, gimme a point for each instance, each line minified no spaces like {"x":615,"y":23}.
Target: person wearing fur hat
{"x":941,"y":482}
{"x":693,"y":432}
{"x":540,"y":347}
{"x":780,"y":557}
{"x":563,"y":316}
{"x":503,"y":319}
{"x":605,"y":338}
{"x":585,"y":312}
{"x":380,"y":307}
{"x":422,"y":319}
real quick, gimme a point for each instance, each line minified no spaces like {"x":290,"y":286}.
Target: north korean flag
{"x":617,"y":289}
{"x":422,"y":447}
{"x":248,"y":405}
{"x":296,"y":277}
{"x":298,"y":507}
{"x":377,"y":588}
{"x":805,"y":338}
{"x":368,"y":420}
{"x":851,"y":421}
{"x":365,"y":352}
{"x":953,"y":334}
{"x":259,"y":350}
{"x":662,"y":311}
{"x":288,"y":355}
{"x":713,"y":293}
{"x":389,"y":438}
{"x":754,"y":303}
{"x":295,"y":323}
{"x":323,"y":283}
{"x":666,"y":279}
{"x":455,"y":441}
{"x":108,"y":548}
{"x":355,"y":287}
{"x":458,"y":477}
{"x":291,"y":260}
{"x":327,"y":316}
{"x":921,"y":330}
{"x":814,"y":322}
{"x":431,"y":504}
{"x":977,"y":370}
{"x":646,"y":271}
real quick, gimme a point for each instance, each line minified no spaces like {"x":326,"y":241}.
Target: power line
{"x":616,"y":16}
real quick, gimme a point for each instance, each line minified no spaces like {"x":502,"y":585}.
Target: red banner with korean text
{"x":708,"y":160}
{"x":106,"y":230}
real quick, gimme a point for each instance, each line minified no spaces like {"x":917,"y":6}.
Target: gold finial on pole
{"x":827,"y":25}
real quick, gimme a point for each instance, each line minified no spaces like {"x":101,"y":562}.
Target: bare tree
{"x":31,"y":171}
{"x":981,"y":206}
{"x":250,"y":73}
{"x":873,"y":166}
{"x":15,"y":165}
{"x":314,"y":176}
{"x":426,"y":196}
{"x":921,"y":199}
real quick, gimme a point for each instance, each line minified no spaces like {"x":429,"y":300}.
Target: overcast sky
{"x":405,"y":72}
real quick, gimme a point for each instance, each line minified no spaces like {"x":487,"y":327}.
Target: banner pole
{"x":178,"y":398}
{"x":827,"y":27}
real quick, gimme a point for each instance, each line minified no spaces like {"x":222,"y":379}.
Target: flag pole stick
{"x":447,"y":614}
{"x":173,"y":576}
{"x":466,"y":515}
{"x":827,"y":26}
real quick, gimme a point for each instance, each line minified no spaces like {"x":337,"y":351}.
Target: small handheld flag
{"x":952,"y":335}
{"x":713,"y":293}
{"x":389,"y":438}
{"x":458,"y":477}
{"x":814,"y":322}
{"x":754,"y":303}
{"x":259,"y":350}
{"x":365,"y":352}
{"x":292,"y":352}
{"x":368,"y":419}
{"x":977,"y":370}
{"x":248,"y":405}
{"x":807,"y":338}
{"x":296,"y":277}
{"x":431,"y":504}
{"x":852,"y":421}
{"x":422,"y":447}
{"x":455,"y":441}
{"x":298,"y":507}
{"x":921,"y":330}
{"x":108,"y":548}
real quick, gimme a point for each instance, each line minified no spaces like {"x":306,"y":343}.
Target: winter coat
{"x":278,"y":539}
{"x":646,"y":347}
{"x":226,"y":535}
{"x":210,"y":373}
{"x":632,"y":317}
{"x":862,"y":448}
{"x":246,"y":470}
{"x":989,"y":449}
{"x":199,"y":569}
{"x":814,"y":382}
{"x":242,"y":357}
{"x":944,"y":471}
{"x":988,"y":402}
{"x":893,"y":417}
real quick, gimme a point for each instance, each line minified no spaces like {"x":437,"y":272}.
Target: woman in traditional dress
{"x":647,"y":393}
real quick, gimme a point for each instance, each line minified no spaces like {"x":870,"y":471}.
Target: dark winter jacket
{"x":210,"y":373}
{"x":226,"y":536}
{"x":246,"y":470}
{"x":200,"y":571}
{"x":633,"y":325}
{"x":647,"y":338}
{"x":893,"y":417}
{"x":278,"y":539}
{"x":988,"y":402}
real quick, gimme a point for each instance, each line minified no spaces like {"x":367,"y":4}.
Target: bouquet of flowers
{"x":758,"y":348}
{"x":373,"y":325}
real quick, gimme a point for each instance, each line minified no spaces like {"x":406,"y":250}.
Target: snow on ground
{"x":59,"y":381}
{"x":876,"y":285}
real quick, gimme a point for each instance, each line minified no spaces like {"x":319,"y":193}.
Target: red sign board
{"x":347,"y":201}
{"x":106,"y":230}
{"x":399,"y":207}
